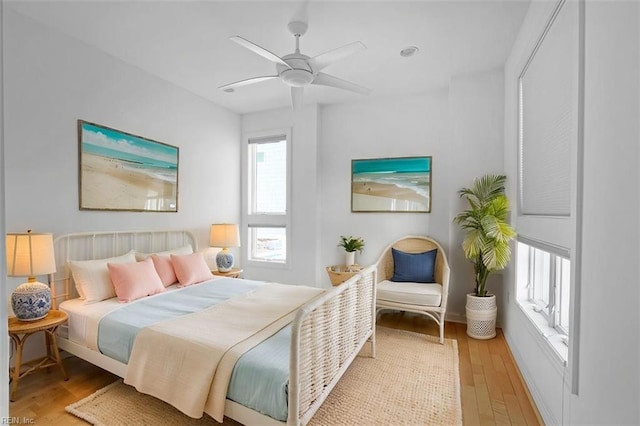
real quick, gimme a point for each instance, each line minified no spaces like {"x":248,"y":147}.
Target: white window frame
{"x":552,"y":228}
{"x":264,"y":220}
{"x":543,"y":317}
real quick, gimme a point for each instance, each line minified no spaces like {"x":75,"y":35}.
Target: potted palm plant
{"x":486,"y":246}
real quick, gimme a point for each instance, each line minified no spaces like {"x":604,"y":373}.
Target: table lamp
{"x":28,"y":255}
{"x":224,"y":235}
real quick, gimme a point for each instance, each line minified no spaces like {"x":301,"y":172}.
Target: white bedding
{"x":82,"y":326}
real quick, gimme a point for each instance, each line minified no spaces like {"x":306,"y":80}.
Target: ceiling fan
{"x":298,"y":70}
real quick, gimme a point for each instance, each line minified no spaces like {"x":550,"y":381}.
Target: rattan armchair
{"x":428,"y":299}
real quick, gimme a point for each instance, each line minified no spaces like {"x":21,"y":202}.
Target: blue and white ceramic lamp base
{"x":31,"y":301}
{"x":224,"y":260}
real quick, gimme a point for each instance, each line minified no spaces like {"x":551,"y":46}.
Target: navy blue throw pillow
{"x":414,"y":267}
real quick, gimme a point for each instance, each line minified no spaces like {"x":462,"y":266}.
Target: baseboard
{"x":455,"y":317}
{"x":533,"y":394}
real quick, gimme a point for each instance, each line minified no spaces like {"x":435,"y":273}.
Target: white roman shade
{"x":548,"y":87}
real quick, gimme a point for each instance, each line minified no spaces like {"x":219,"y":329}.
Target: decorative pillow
{"x":414,"y":267}
{"x":165,"y":270}
{"x":180,"y":250}
{"x":190,"y":268}
{"x":92,"y":277}
{"x":132,"y":281}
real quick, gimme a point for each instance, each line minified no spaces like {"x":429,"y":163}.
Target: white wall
{"x":393,"y":127}
{"x":608,"y":352}
{"x":461,"y":128}
{"x":476,"y":108}
{"x":610,"y":378}
{"x":50,"y":81}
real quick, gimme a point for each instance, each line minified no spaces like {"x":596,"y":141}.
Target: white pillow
{"x":92,"y":278}
{"x":180,"y":250}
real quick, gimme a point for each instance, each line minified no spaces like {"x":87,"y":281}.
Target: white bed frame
{"x":327,"y":333}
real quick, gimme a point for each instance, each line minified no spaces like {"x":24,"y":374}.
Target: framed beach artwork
{"x":121,"y":171}
{"x":400,"y":184}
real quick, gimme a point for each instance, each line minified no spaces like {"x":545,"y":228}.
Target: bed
{"x":324,"y":336}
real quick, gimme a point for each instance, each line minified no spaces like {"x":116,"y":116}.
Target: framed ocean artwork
{"x":401,"y":184}
{"x":121,"y":171}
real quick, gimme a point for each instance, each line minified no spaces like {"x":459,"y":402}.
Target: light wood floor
{"x":491,"y":387}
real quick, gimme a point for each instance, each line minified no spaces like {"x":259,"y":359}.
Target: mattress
{"x":260,"y":377}
{"x":82,"y":326}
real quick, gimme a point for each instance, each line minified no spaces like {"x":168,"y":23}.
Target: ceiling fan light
{"x":297,"y":77}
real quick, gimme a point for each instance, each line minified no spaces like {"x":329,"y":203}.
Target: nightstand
{"x":233,"y":273}
{"x":19,"y":331}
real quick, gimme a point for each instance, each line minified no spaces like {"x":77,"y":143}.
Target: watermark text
{"x":17,"y":421}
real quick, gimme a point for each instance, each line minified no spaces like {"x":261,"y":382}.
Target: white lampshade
{"x":224,"y":235}
{"x":30,"y":254}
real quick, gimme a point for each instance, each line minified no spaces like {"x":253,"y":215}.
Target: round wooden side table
{"x":340,"y":273}
{"x":233,"y":273}
{"x":19,"y":331}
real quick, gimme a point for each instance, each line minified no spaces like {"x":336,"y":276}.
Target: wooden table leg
{"x":56,"y":353}
{"x":15,"y":375}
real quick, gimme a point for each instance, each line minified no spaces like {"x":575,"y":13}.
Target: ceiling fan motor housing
{"x":300,"y":74}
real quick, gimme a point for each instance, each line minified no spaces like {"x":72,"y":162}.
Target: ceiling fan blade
{"x":329,"y":80}
{"x":259,"y":50}
{"x":296,"y":97}
{"x":248,"y":81}
{"x":324,"y":59}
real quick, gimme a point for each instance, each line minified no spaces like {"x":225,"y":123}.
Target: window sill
{"x":555,"y":340}
{"x":266,"y":264}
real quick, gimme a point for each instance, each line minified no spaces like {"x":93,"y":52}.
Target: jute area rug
{"x":412,"y":381}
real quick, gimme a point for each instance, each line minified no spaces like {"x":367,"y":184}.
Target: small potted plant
{"x":351,"y":245}
{"x":486,"y":245}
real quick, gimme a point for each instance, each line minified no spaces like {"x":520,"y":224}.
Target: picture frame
{"x":120,"y":171}
{"x":398,"y":184}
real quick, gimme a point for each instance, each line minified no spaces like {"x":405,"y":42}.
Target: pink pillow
{"x":164,"y":268}
{"x":135,"y":280}
{"x":190,"y":268}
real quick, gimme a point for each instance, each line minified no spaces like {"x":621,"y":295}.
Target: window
{"x":543,"y":288}
{"x":266,"y":205}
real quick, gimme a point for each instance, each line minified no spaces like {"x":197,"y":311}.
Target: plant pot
{"x":350,"y":258}
{"x":481,"y":316}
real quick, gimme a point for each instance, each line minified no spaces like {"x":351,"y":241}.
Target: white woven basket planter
{"x":481,"y":317}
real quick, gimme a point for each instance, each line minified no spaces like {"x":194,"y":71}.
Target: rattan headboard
{"x":99,"y":245}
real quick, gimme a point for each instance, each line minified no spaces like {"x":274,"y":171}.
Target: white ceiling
{"x":187,"y":43}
